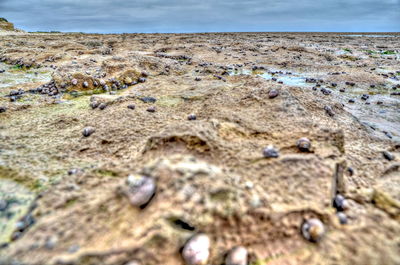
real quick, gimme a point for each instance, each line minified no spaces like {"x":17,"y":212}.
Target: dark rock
{"x":389,"y":156}
{"x":340,"y":203}
{"x":102,"y":106}
{"x":3,"y":109}
{"x":273,"y":93}
{"x":304,"y":144}
{"x":148,"y":99}
{"x":88,"y":131}
{"x":329,"y":111}
{"x":365,"y":97}
{"x":131,"y":106}
{"x":151,"y":109}
{"x":270,"y":152}
{"x":94,"y":104}
{"x":342,"y":218}
{"x":192,"y":117}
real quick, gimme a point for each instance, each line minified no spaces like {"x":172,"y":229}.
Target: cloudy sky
{"x":106,"y":16}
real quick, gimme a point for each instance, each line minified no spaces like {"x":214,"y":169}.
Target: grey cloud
{"x":199,"y":16}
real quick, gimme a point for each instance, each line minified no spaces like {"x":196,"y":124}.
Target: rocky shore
{"x":219,"y":148}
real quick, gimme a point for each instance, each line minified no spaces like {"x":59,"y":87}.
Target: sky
{"x":143,"y":16}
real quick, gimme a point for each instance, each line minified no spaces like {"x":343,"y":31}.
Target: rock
{"x":273,"y":93}
{"x":102,"y":106}
{"x":197,"y":250}
{"x":365,"y":97}
{"x":237,"y":256}
{"x":352,"y":100}
{"x":192,"y":117}
{"x":342,"y":217}
{"x":3,"y":109}
{"x":85,"y":84}
{"x":270,"y":152}
{"x":131,"y":106}
{"x":88,"y":131}
{"x":313,"y":230}
{"x":74,"y":82}
{"x":197,"y":79}
{"x":148,"y":99}
{"x":340,"y":203}
{"x":94,"y":104}
{"x":139,"y":190}
{"x":329,"y":111}
{"x":389,"y":156}
{"x":304,"y":144}
{"x":151,"y":109}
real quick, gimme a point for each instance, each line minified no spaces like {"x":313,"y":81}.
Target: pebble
{"x":102,"y":106}
{"x":342,"y":217}
{"x":131,"y":106}
{"x":148,"y":99}
{"x":3,"y":109}
{"x":197,"y":79}
{"x":197,"y":250}
{"x":94,"y":104}
{"x":192,"y":117}
{"x":85,"y":84}
{"x":389,"y":156}
{"x":141,"y":190}
{"x":3,"y":205}
{"x":313,"y":230}
{"x":329,"y":111}
{"x":237,"y":256}
{"x":304,"y":144}
{"x":270,"y":152}
{"x":273,"y":93}
{"x":352,"y":100}
{"x":74,"y":82}
{"x":340,"y":203}
{"x":365,"y":97}
{"x":88,"y":131}
{"x":151,"y":109}
{"x":142,"y":80}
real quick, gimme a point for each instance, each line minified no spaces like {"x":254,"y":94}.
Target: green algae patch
{"x":28,"y":182}
{"x":16,"y":202}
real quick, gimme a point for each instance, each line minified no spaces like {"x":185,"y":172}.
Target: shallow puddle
{"x":15,"y":203}
{"x":15,"y":75}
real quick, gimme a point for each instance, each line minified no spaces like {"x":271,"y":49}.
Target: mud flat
{"x":267,"y":148}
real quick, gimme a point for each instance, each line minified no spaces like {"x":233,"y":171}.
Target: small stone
{"x":237,"y":256}
{"x":197,"y":79}
{"x":94,"y":104}
{"x":131,"y":106}
{"x":151,"y":109}
{"x":389,"y":156}
{"x":51,"y":242}
{"x":365,"y":97}
{"x":74,"y":82}
{"x":85,"y":84}
{"x":3,"y":109}
{"x":340,"y":203}
{"x":88,"y":131}
{"x":197,"y":250}
{"x":342,"y":218}
{"x":141,"y":190}
{"x":270,"y":152}
{"x":102,"y":106}
{"x":142,"y":80}
{"x":273,"y":93}
{"x":192,"y":117}
{"x":148,"y":99}
{"x":352,"y":100}
{"x":313,"y":230}
{"x":329,"y":111}
{"x":3,"y":205}
{"x":304,"y":144}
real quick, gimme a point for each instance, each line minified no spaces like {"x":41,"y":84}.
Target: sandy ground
{"x":210,"y":172}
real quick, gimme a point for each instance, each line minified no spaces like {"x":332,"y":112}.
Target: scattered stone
{"x":151,"y":109}
{"x":197,"y":250}
{"x":273,"y":93}
{"x":141,"y":80}
{"x":389,"y":156}
{"x":340,"y":203}
{"x":3,"y":109}
{"x":102,"y":106}
{"x":304,"y":144}
{"x":85,"y":84}
{"x":74,"y":82}
{"x":313,"y":230}
{"x":94,"y":104}
{"x":365,"y":97}
{"x":140,"y":190}
{"x":131,"y":106}
{"x":237,"y":256}
{"x":342,"y":218}
{"x":192,"y":117}
{"x":88,"y":131}
{"x":197,"y":79}
{"x":148,"y":99}
{"x":329,"y":111}
{"x":270,"y":152}
{"x":352,"y":100}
